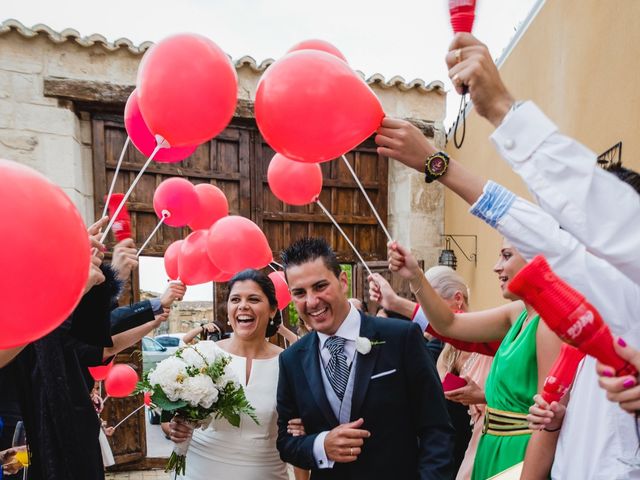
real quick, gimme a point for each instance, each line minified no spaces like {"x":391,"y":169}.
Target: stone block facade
{"x":52,"y":136}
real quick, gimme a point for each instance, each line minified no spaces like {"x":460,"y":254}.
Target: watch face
{"x":436,"y":165}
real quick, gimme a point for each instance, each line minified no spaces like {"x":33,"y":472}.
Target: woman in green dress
{"x":527,"y":351}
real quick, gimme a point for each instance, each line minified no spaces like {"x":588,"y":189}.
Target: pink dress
{"x":477,"y":368}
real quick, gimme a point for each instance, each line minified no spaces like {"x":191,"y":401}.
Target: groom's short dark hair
{"x":309,"y":249}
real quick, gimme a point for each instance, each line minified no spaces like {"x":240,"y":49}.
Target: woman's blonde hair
{"x":446,"y":282}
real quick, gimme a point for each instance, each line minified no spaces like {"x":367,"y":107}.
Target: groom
{"x":366,"y":388}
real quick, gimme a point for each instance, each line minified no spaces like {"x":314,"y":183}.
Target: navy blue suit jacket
{"x":411,"y":436}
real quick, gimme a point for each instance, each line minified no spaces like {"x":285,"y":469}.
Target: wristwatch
{"x":435,"y":166}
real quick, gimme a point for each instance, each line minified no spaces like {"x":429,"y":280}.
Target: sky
{"x":408,"y":38}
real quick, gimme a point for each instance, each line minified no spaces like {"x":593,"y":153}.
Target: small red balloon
{"x":178,"y":197}
{"x":188,"y":89}
{"x":40,"y":288}
{"x":171,"y":256}
{"x":194,"y":263}
{"x":212,"y":206}
{"x":236,"y":243}
{"x":295,"y":183}
{"x":147,"y":398}
{"x":312,"y":107}
{"x":317,"y":44}
{"x":100,"y":373}
{"x":144,"y":140}
{"x":121,"y":381}
{"x":282,"y":289}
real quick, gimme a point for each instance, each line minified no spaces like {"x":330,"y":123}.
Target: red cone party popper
{"x":122,"y":226}
{"x":462,"y":13}
{"x":562,"y":373}
{"x":567,"y":312}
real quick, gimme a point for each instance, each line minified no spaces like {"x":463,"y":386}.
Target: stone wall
{"x":50,"y":135}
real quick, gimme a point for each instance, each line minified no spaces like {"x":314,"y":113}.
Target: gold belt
{"x":503,"y":423}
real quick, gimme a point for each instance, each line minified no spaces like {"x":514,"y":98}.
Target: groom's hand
{"x":343,"y":443}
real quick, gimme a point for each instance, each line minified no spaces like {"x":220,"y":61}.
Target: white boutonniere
{"x":363,"y":345}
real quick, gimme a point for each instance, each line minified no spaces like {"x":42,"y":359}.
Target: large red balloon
{"x":144,"y":140}
{"x":100,"y":373}
{"x":187,"y":89}
{"x":40,"y":288}
{"x":295,"y":183}
{"x":171,"y":256}
{"x":282,"y":289}
{"x":212,"y":206}
{"x":317,"y":44}
{"x":236,"y":243}
{"x":312,"y":107}
{"x":121,"y":381}
{"x":194,"y":263}
{"x":177,"y":196}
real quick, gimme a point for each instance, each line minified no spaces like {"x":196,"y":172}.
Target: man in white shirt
{"x":594,"y":434}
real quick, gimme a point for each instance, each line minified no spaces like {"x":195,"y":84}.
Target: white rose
{"x":192,"y":357}
{"x":209,"y":350}
{"x":199,"y":390}
{"x":363,"y":345}
{"x":169,"y":374}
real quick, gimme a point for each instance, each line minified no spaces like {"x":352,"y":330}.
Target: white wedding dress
{"x":224,"y":452}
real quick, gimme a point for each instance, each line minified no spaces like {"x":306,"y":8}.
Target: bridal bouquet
{"x":195,"y":384}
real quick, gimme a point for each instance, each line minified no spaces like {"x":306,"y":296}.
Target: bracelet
{"x":552,"y":429}
{"x":417,"y":291}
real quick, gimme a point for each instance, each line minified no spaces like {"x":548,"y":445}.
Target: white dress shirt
{"x":595,"y":431}
{"x":601,"y":211}
{"x":349,"y":330}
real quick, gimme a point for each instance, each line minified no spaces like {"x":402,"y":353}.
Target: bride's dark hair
{"x":269,"y":290}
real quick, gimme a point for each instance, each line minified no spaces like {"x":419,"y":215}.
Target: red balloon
{"x":312,"y":107}
{"x":147,"y":398}
{"x":178,"y":197}
{"x":282,"y":289}
{"x":100,"y":373}
{"x":144,"y":140}
{"x":194,"y":263}
{"x":187,"y":89}
{"x":236,"y":243}
{"x":32,"y":277}
{"x":295,"y":183}
{"x":171,"y":256}
{"x":317,"y":44}
{"x":213,"y":206}
{"x":121,"y":381}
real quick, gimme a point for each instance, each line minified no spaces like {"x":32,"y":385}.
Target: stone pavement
{"x":146,"y":475}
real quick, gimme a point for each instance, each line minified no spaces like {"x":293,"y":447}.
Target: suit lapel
{"x":311,"y":368}
{"x":364,"y":366}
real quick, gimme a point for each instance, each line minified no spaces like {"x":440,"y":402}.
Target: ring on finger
{"x":456,"y":80}
{"x":458,"y":55}
{"x":351,"y":451}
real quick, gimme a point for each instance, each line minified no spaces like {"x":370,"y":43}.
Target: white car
{"x":171,"y":341}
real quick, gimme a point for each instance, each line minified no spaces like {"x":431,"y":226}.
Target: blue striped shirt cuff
{"x":493,"y":204}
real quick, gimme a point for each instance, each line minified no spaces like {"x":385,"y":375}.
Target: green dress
{"x":510,"y":386}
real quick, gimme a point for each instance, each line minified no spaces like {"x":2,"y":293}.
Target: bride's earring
{"x":228,"y":322}
{"x":271,"y":322}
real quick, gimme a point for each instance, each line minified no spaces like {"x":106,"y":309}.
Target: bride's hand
{"x":295,"y":428}
{"x":180,"y":430}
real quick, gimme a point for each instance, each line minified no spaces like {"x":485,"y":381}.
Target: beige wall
{"x":578,"y":61}
{"x":50,"y":136}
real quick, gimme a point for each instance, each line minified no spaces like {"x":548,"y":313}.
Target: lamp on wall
{"x":448,"y":256}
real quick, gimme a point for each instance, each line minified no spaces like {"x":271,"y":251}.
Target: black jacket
{"x":411,"y":436}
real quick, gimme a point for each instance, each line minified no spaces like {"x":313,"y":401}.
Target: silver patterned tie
{"x":337,"y":368}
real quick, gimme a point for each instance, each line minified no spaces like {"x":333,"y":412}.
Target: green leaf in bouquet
{"x":231,"y":403}
{"x":160,"y":399}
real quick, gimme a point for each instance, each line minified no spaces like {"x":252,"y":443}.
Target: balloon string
{"x":273,"y":268}
{"x":127,"y":417}
{"x":126,"y":195}
{"x":105,"y":398}
{"x":115,"y":176}
{"x":326,"y":212}
{"x":373,"y":209}
{"x":276,"y":263}
{"x":165,"y":215}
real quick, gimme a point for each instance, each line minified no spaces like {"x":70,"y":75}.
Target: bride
{"x":248,"y":452}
